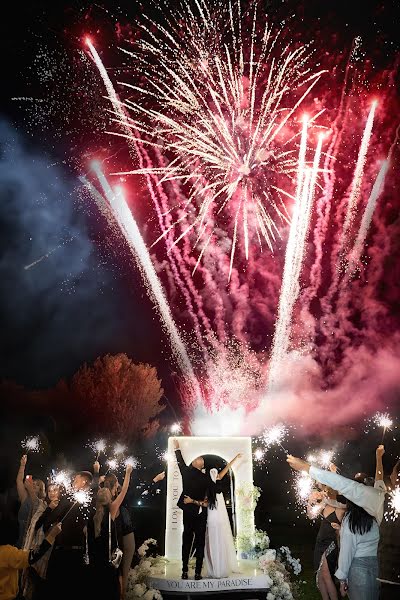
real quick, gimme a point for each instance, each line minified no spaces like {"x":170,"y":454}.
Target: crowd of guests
{"x":358,"y":543}
{"x":60,"y":548}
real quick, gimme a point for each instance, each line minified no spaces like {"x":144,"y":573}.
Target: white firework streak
{"x":131,"y":232}
{"x":295,"y":248}
{"x":219,"y":114}
{"x":359,"y":172}
{"x":376,"y":191}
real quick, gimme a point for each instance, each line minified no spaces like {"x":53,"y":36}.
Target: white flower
{"x":139,"y":589}
{"x":270,"y":596}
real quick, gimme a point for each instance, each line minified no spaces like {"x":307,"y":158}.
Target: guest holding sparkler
{"x":13,"y":560}
{"x":326,"y":546}
{"x":67,"y":560}
{"x":31,"y":494}
{"x":377,"y":503}
{"x":358,"y":562}
{"x":124,"y":525}
{"x":104,"y":543}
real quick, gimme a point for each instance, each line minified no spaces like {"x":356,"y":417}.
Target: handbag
{"x":115,"y":556}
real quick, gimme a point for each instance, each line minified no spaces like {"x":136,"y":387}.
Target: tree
{"x":120,"y":396}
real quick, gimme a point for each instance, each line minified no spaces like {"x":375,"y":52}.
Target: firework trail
{"x":221,"y":115}
{"x":354,"y":256}
{"x":138,"y":151}
{"x":295,"y":249}
{"x":39,"y":260}
{"x":138,"y":248}
{"x":359,"y":171}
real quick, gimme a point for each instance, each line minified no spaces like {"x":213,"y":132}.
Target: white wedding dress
{"x":220,"y":554}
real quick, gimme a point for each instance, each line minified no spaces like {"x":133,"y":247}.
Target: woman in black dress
{"x":104,"y":536}
{"x":326,"y":552}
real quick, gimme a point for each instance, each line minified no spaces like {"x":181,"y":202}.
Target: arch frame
{"x":227,"y":448}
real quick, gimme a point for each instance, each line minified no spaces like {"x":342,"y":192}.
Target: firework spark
{"x":219,"y":105}
{"x":258,"y":454}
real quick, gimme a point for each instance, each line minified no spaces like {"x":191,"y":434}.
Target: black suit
{"x":195,"y":484}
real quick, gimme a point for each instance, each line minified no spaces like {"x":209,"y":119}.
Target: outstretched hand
{"x":24,"y":459}
{"x":297,"y":463}
{"x":380,"y":451}
{"x":176,"y":444}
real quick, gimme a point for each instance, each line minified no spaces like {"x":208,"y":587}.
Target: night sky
{"x":85,"y":298}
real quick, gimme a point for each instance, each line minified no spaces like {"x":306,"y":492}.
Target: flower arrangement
{"x":280,"y":582}
{"x":253,"y":544}
{"x":148,"y":566}
{"x":286,"y":556}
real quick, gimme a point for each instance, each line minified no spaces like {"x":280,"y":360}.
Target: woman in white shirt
{"x":358,"y":561}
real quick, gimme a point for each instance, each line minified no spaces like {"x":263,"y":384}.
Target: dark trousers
{"x":194,"y":526}
{"x":67,"y":575}
{"x":388,"y":591}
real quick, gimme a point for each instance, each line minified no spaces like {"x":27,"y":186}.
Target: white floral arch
{"x":227,"y":448}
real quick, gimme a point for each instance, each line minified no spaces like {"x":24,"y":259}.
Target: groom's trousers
{"x":194,"y":526}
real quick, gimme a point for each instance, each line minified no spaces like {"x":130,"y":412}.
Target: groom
{"x":193,"y":502}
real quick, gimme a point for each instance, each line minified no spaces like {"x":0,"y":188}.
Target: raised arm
{"x":380,"y":451}
{"x":368,"y":498}
{"x":115,"y":505}
{"x":181,"y":463}
{"x":224,"y":471}
{"x":22,"y":493}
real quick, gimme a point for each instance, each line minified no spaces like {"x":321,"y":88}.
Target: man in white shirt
{"x":374,"y":500}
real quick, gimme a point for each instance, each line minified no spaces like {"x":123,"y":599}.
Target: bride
{"x":220,"y":554}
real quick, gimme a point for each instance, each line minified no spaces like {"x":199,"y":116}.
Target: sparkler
{"x":31,"y":444}
{"x":303,"y":486}
{"x":112,"y":464}
{"x":275,"y":435}
{"x":258,"y":454}
{"x":98,"y":447}
{"x":383,"y":420}
{"x":131,"y":462}
{"x":325,"y":458}
{"x":219,"y":105}
{"x":80,"y":497}
{"x":393,"y":511}
{"x":119,"y":449}
{"x":176,"y":428}
{"x":61,"y":478}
